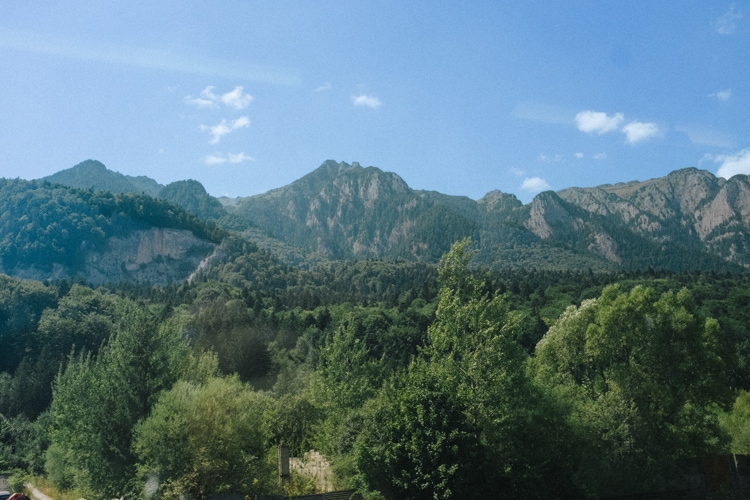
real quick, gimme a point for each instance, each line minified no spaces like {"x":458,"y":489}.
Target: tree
{"x":204,"y":438}
{"x":641,"y":376}
{"x":97,"y":401}
{"x":416,"y":441}
{"x":465,"y":421}
{"x":736,"y":423}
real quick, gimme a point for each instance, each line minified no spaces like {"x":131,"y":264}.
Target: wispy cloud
{"x":162,"y":60}
{"x":518,"y":172}
{"x":367,"y":100}
{"x":535,"y":185}
{"x":600,"y":156}
{"x":236,"y":99}
{"x":555,"y":158}
{"x":706,"y":137}
{"x":727,"y":23}
{"x":722,"y":95}
{"x":730,"y":165}
{"x":220,"y":130}
{"x":598,"y":122}
{"x":219,"y":159}
{"x":538,"y":112}
{"x":325,"y":86}
{"x":579,"y":156}
{"x":636,"y":131}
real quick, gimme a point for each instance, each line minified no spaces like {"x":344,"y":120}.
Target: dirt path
{"x":35,"y":493}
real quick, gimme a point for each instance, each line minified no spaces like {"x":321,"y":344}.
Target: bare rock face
{"x":688,"y":207}
{"x":157,"y":255}
{"x":548,"y":216}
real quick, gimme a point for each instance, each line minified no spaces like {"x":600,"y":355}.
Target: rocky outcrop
{"x":156,"y":255}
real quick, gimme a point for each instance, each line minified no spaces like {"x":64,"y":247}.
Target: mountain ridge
{"x":687,"y":220}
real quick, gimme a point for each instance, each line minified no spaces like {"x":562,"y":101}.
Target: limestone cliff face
{"x":690,"y":207}
{"x":156,"y":255}
{"x":552,"y":218}
{"x":549,"y":217}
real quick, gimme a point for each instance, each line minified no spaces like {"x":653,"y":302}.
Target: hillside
{"x":48,"y":231}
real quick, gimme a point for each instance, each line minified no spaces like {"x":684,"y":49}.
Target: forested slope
{"x":48,"y":231}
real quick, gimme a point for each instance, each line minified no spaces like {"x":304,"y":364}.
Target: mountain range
{"x":688,"y":220}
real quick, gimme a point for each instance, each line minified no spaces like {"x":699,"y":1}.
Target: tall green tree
{"x":97,"y":402}
{"x":492,"y":433}
{"x":641,"y":375}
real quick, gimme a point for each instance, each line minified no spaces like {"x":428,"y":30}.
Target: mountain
{"x":188,"y":194}
{"x":192,"y":196}
{"x":92,"y":174}
{"x":687,"y":211}
{"x":347,"y":211}
{"x":685,"y":221}
{"x":48,"y":231}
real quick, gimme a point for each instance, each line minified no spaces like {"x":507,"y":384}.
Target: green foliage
{"x":22,"y":443}
{"x":43,"y":225}
{"x":641,"y":376}
{"x":465,"y":410}
{"x":736,"y":424}
{"x":416,"y":441}
{"x":412,"y":380}
{"x":17,"y":480}
{"x":192,"y":196}
{"x":84,"y":319}
{"x":21,"y":305}
{"x":97,"y":401}
{"x":205,"y":438}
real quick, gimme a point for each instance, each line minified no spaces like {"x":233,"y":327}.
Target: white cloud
{"x":535,"y":185}
{"x":325,"y":86}
{"x":597,"y":121}
{"x":239,"y":157}
{"x":215,"y":160}
{"x":722,"y":95}
{"x":206,"y":99}
{"x":220,"y":130}
{"x":517,"y":172}
{"x":367,"y":100}
{"x":579,"y":156}
{"x":640,"y":131}
{"x":236,"y":99}
{"x":600,"y":156}
{"x":727,"y":23}
{"x":219,"y":159}
{"x":733,"y":164}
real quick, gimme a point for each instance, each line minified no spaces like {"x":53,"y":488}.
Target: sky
{"x":461,"y":97}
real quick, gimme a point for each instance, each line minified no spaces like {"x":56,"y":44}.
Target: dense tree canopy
{"x":413,"y":381}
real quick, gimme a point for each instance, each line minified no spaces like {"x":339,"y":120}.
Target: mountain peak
{"x":94,"y":175}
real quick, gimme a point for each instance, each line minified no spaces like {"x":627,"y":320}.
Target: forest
{"x":413,"y":380}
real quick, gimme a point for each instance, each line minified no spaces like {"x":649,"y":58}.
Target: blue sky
{"x":457,"y":97}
